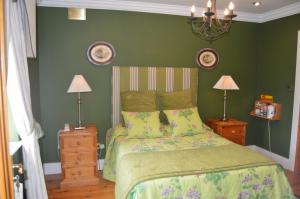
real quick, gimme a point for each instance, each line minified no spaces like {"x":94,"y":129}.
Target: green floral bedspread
{"x":255,"y":182}
{"x":265,"y":182}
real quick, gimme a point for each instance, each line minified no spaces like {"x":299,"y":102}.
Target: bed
{"x":202,"y":165}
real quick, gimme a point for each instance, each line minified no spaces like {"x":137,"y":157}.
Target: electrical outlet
{"x":102,"y":146}
{"x":18,"y":190}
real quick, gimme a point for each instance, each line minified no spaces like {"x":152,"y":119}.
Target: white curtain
{"x":29,"y":25}
{"x":18,"y":91}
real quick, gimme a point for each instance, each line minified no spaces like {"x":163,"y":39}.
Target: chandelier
{"x":208,"y":26}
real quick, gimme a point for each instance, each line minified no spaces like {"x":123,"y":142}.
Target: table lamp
{"x":79,"y":85}
{"x":225,"y":83}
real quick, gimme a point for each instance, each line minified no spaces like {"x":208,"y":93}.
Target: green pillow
{"x":184,"y":121}
{"x":175,"y":100}
{"x":138,"y":101}
{"x":142,"y":124}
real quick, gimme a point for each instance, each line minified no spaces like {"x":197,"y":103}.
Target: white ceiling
{"x":269,"y":10}
{"x":241,"y":5}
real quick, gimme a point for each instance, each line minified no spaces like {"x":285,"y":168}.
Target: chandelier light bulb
{"x":193,"y":9}
{"x":209,"y":4}
{"x":256,"y":3}
{"x":231,"y":6}
{"x":203,"y":13}
{"x":226,"y":12}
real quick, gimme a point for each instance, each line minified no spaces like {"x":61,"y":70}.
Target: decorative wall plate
{"x":207,"y":58}
{"x":101,"y":53}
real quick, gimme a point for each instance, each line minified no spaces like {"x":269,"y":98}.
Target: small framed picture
{"x":101,"y":53}
{"x":207,"y":58}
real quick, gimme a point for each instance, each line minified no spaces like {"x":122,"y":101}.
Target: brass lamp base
{"x":79,"y":124}
{"x":223,"y":119}
{"x":79,"y":127}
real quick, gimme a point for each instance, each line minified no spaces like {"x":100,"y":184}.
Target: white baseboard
{"x":52,"y":168}
{"x":55,"y":167}
{"x":285,"y":162}
{"x":100,"y":164}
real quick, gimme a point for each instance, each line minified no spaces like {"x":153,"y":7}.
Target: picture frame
{"x":207,"y":58}
{"x":101,"y":53}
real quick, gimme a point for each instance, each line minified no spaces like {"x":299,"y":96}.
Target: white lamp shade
{"x":79,"y":85}
{"x":226,"y":83}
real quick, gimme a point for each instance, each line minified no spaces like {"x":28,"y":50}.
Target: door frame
{"x":6,"y":180}
{"x":293,"y":143}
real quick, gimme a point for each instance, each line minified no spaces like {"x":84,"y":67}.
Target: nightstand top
{"x":228,"y":122}
{"x":90,"y":128}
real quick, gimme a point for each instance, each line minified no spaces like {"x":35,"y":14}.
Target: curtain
{"x":18,"y":91}
{"x":29,"y":26}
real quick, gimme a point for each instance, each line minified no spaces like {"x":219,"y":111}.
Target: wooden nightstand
{"x":232,"y":129}
{"x":78,"y":153}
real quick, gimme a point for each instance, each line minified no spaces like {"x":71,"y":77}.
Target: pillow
{"x":142,"y":124}
{"x":119,"y":130}
{"x":175,"y":100}
{"x":184,"y":121}
{"x":138,"y":101}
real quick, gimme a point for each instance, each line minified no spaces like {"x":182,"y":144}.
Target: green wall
{"x":277,"y":49}
{"x":33,"y":68}
{"x":139,"y":39}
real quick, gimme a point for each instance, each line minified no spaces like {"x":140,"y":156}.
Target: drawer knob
{"x":233,"y":131}
{"x":78,"y":143}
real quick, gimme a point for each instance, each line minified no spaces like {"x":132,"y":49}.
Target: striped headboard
{"x":150,"y":78}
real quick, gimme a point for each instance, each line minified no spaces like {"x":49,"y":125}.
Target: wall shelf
{"x":263,"y":108}
{"x":277,"y":110}
{"x":255,"y":115}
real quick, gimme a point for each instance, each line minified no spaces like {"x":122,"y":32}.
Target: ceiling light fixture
{"x":208,"y":26}
{"x":76,"y":13}
{"x":256,"y":3}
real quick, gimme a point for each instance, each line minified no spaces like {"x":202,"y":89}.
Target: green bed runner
{"x":135,"y":168}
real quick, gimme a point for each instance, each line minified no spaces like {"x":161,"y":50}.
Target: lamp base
{"x":79,"y":127}
{"x":223,"y":119}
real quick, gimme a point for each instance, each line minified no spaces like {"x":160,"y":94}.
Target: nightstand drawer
{"x":76,"y":158}
{"x":79,"y":172}
{"x":83,"y":141}
{"x":237,"y":139}
{"x":233,"y":131}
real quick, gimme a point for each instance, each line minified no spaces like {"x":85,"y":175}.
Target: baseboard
{"x":55,"y":167}
{"x":52,"y":168}
{"x":100,"y":164}
{"x":285,"y":162}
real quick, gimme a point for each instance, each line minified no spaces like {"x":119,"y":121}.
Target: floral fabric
{"x":119,"y":145}
{"x":264,"y":182}
{"x":184,"y":121}
{"x":142,"y":124}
